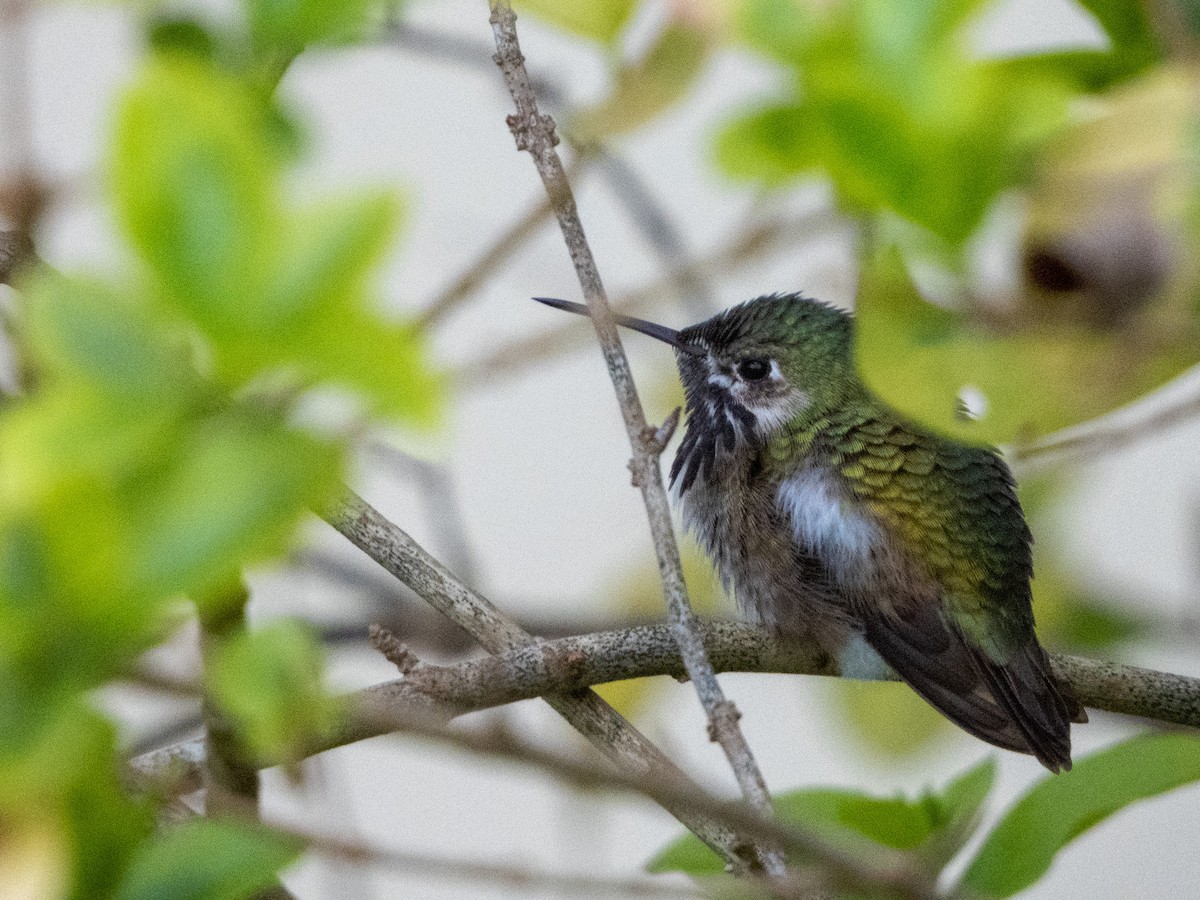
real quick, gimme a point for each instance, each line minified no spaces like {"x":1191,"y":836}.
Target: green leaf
{"x":207,"y":860}
{"x":327,"y":256}
{"x":599,"y":20}
{"x":1021,"y":848}
{"x":934,"y":825}
{"x":269,"y":682}
{"x":193,"y":184}
{"x":294,"y":24}
{"x":919,"y":358}
{"x":894,"y":109}
{"x":648,"y":87}
{"x":1134,"y":46}
{"x":106,"y":340}
{"x":232,"y":494}
{"x":886,"y":718}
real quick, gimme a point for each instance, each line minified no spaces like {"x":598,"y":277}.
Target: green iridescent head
{"x":778,"y":359}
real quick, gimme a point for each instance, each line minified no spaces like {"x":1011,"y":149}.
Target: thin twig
{"x":659,"y":231}
{"x":534,"y":132}
{"x":596,"y":720}
{"x":231,"y":777}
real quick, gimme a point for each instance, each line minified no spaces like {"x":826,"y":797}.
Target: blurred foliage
{"x":599,"y":20}
{"x":160,"y":445}
{"x":920,"y":358}
{"x":933,"y":829}
{"x":886,"y":719}
{"x":159,"y":448}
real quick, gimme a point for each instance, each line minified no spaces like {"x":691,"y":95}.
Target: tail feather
{"x":1017,"y":706}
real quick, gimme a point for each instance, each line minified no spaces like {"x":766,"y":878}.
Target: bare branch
{"x":607,"y":729}
{"x":516,"y":235}
{"x":534,"y":132}
{"x":231,"y":777}
{"x":646,"y":651}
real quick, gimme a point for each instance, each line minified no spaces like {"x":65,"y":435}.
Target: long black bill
{"x":658,"y":332}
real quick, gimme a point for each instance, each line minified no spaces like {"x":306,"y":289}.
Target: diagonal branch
{"x":534,"y":132}
{"x":607,"y":729}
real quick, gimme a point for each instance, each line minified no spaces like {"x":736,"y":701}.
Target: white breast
{"x":827,"y":523}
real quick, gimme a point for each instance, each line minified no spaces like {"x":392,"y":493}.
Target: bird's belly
{"x":753,"y":548}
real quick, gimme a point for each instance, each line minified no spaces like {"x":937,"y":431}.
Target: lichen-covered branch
{"x":649,"y":650}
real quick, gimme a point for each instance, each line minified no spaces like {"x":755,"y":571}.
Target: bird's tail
{"x":1018,"y":705}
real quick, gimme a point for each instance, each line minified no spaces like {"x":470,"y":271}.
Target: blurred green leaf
{"x":887,"y":719}
{"x":207,"y":860}
{"x":1022,"y":846}
{"x":269,"y":682}
{"x":934,"y":825}
{"x":106,"y":340}
{"x":192,"y":181}
{"x":176,"y":33}
{"x":294,"y":24}
{"x":231,"y":494}
{"x":888,"y":102}
{"x":651,"y":85}
{"x":599,"y":20}
{"x":1133,"y":44}
{"x":919,"y":358}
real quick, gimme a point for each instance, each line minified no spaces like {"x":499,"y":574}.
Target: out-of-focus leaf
{"x":600,"y":20}
{"x":1133,"y":44}
{"x":920,"y":358}
{"x":1072,"y":621}
{"x":888,"y":719}
{"x":175,"y":33}
{"x":207,"y":860}
{"x":268,"y":681}
{"x":294,"y":24}
{"x":651,"y":85}
{"x":889,"y":103}
{"x":233,"y":494}
{"x":1060,"y":808}
{"x":106,"y":340}
{"x":934,"y":825}
{"x":193,"y":188}
{"x":1106,"y":232}
{"x":33,"y":859}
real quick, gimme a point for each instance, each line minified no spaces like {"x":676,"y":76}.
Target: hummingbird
{"x":832,"y":518}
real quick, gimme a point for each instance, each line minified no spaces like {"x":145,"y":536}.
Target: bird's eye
{"x":754,"y":369}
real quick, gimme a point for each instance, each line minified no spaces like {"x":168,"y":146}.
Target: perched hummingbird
{"x":833,"y":518}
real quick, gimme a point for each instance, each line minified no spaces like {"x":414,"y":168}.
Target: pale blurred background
{"x":536,"y":459}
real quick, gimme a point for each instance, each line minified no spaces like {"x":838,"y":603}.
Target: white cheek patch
{"x":826,"y":524}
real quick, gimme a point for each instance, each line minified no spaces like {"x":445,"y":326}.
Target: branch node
{"x":533,"y":131}
{"x":394,"y":650}
{"x":655,"y":440}
{"x":725,"y":716}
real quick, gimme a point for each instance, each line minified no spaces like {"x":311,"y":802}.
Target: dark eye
{"x":754,"y":369}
